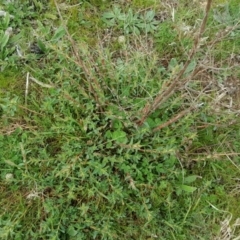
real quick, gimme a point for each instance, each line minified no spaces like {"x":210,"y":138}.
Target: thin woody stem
{"x":175,"y":118}
{"x":163,"y":96}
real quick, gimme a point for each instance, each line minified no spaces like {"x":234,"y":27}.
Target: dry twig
{"x":170,"y":89}
{"x":175,"y":118}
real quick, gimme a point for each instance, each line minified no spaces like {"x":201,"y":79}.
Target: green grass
{"x":81,"y":156}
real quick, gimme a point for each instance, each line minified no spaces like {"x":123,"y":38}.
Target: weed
{"x":131,"y":22}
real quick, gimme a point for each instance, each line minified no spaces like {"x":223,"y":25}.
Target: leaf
{"x":119,"y":136}
{"x":41,"y":45}
{"x":155,"y":22}
{"x":136,"y":30}
{"x":223,"y":15}
{"x":50,"y":16}
{"x":150,"y":122}
{"x":4,"y":41}
{"x":108,"y":15}
{"x":190,"y":179}
{"x":108,"y":134}
{"x":71,"y":231}
{"x":172,"y":64}
{"x":60,"y":32}
{"x":141,"y":25}
{"x":6,"y":20}
{"x":190,"y":67}
{"x":11,"y":163}
{"x":117,"y":124}
{"x":122,"y":17}
{"x":110,"y":22}
{"x":187,"y":188}
{"x":149,"y":15}
{"x":154,"y":27}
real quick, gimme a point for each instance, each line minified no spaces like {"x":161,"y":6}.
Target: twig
{"x":37,"y":82}
{"x":29,"y":110}
{"x":45,"y":85}
{"x":27,"y":85}
{"x":175,"y":118}
{"x":163,"y":96}
{"x":223,"y":34}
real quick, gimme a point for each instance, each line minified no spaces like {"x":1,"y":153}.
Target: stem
{"x":165,"y":94}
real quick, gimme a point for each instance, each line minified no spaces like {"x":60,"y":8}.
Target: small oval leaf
{"x":187,"y":188}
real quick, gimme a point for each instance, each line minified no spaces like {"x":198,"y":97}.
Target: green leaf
{"x":108,"y":134}
{"x":108,"y":15}
{"x":141,"y":25}
{"x":6,"y":20}
{"x":11,"y":163}
{"x":50,"y":16}
{"x":117,"y":124}
{"x":172,"y":64}
{"x":190,"y":67}
{"x":151,"y":123}
{"x":71,"y":231}
{"x":110,"y":22}
{"x":41,"y":45}
{"x":136,"y":30}
{"x":187,"y":188}
{"x":190,"y":179}
{"x":155,"y":22}
{"x":4,"y":41}
{"x":149,"y":15}
{"x":122,"y":17}
{"x":60,"y":32}
{"x":119,"y":136}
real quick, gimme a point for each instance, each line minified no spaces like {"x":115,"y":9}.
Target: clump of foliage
{"x":114,"y":139}
{"x":131,"y":22}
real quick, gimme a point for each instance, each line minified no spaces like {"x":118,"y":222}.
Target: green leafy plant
{"x":5,"y":33}
{"x":225,"y":16}
{"x":131,"y":22}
